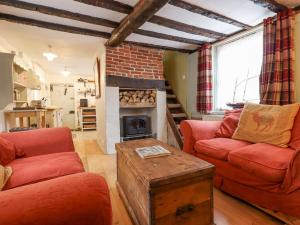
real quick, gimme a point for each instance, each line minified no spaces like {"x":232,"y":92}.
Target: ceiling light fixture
{"x":66,"y":73}
{"x":50,"y":55}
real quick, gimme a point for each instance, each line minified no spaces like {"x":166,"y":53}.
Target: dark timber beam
{"x":109,"y":4}
{"x":271,"y":5}
{"x":142,"y":12}
{"x":127,"y":9}
{"x":185,"y":27}
{"x":73,"y":30}
{"x":59,"y":12}
{"x":208,"y":13}
{"x":90,"y":19}
{"x":159,"y":47}
{"x":53,"y":26}
{"x":168,"y":37}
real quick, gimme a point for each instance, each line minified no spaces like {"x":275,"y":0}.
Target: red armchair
{"x":262,"y":174}
{"x":49,"y":186}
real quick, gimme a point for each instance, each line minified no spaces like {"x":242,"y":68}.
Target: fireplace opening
{"x":136,"y":127}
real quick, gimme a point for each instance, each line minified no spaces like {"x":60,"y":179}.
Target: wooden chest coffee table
{"x":168,"y":190}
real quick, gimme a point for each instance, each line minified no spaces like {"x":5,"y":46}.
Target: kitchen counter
{"x":25,"y":110}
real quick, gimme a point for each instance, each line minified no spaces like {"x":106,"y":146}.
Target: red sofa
{"x":49,"y":186}
{"x":262,"y":174}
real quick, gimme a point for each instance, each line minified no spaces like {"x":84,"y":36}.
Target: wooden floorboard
{"x":228,"y":210}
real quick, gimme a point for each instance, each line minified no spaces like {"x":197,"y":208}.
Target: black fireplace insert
{"x":136,"y":126}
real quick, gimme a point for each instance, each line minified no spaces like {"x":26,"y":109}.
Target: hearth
{"x":136,"y":127}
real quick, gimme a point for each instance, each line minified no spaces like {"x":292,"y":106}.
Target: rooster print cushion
{"x":270,"y":124}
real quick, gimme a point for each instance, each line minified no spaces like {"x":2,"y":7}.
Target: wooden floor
{"x":228,"y":210}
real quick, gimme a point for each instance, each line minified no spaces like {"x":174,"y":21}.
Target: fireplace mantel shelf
{"x":137,"y":105}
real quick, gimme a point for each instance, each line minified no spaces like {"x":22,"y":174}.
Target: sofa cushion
{"x":229,"y":123}
{"x":219,"y":147}
{"x":7,"y":151}
{"x":266,"y":161}
{"x":43,"y":167}
{"x":273,"y":123}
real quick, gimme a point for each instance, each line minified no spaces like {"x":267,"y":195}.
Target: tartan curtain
{"x":277,"y":76}
{"x":204,"y":86}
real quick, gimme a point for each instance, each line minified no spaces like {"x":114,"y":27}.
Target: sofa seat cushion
{"x":266,"y":161}
{"x":219,"y":148}
{"x":43,"y":167}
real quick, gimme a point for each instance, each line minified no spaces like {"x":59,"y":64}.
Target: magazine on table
{"x":152,"y":151}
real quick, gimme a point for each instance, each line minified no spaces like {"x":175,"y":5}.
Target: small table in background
{"x":24,"y":116}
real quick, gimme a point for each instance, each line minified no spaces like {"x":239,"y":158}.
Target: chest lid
{"x":154,"y":172}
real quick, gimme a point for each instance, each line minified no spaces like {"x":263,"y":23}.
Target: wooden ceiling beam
{"x":123,"y":8}
{"x":159,"y":47}
{"x":142,"y":12}
{"x":168,"y":37}
{"x":71,"y":29}
{"x":53,"y":26}
{"x":185,"y":27}
{"x":272,"y":5}
{"x":90,"y":19}
{"x":109,"y":4}
{"x":59,"y":12}
{"x":208,"y":13}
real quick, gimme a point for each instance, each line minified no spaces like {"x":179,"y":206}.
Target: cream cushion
{"x":5,"y":173}
{"x":270,"y":124}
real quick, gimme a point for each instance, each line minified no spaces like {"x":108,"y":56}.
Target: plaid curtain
{"x":204,"y":88}
{"x":277,"y":76}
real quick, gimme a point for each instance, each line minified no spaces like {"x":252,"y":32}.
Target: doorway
{"x":62,"y":95}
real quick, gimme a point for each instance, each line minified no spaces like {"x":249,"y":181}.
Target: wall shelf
{"x":19,"y":85}
{"x":20,"y":101}
{"x":88,"y":118}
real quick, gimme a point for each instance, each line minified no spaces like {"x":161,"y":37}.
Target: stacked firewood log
{"x":137,"y":96}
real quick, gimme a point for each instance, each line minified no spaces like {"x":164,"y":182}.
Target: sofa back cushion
{"x":295,"y":139}
{"x":5,"y":173}
{"x":270,"y":124}
{"x":7,"y":151}
{"x":229,"y":123}
{"x":42,"y":141}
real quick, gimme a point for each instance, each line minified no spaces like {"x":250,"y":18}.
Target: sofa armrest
{"x":79,"y":199}
{"x":194,"y":130}
{"x":42,"y":141}
{"x":292,"y":177}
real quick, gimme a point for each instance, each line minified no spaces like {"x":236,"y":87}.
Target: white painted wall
{"x":100,"y":102}
{"x":112,"y":119}
{"x":161,"y":118}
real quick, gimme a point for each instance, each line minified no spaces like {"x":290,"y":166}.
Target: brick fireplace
{"x":138,"y":72}
{"x":134,"y":61}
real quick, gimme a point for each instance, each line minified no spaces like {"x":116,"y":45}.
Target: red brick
{"x":134,"y":61}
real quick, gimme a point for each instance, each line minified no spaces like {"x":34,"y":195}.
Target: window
{"x":237,"y":68}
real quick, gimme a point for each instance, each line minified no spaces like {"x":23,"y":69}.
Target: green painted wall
{"x":175,"y":71}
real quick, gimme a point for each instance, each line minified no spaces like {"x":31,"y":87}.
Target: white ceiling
{"x":77,"y":51}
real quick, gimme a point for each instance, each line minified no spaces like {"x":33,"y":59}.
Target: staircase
{"x":175,"y":113}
